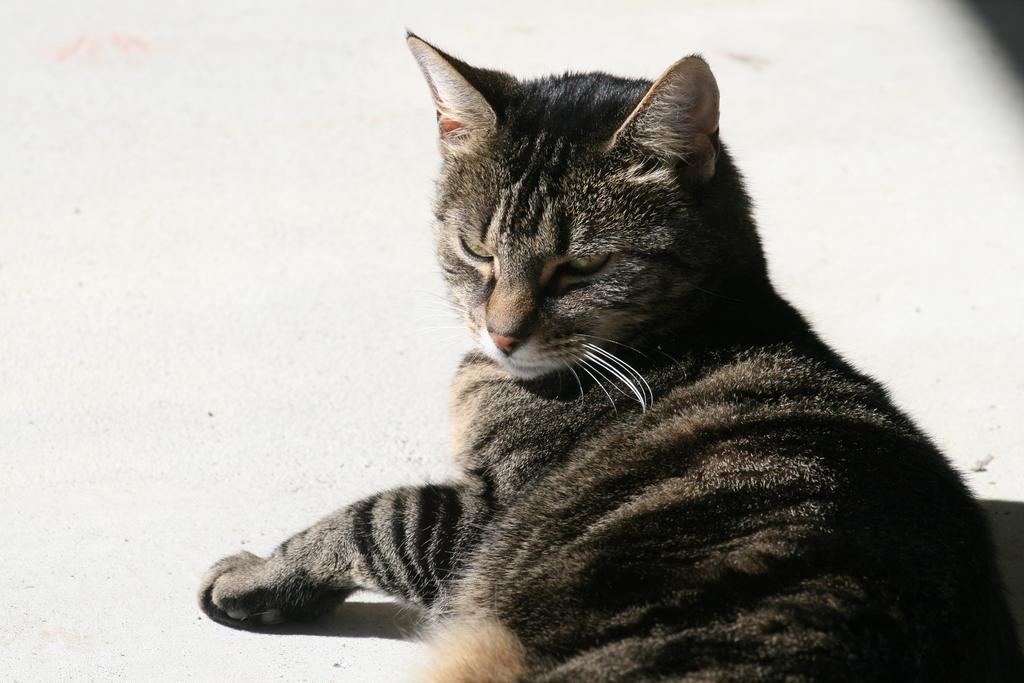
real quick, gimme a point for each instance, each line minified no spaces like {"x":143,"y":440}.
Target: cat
{"x":665,"y":473}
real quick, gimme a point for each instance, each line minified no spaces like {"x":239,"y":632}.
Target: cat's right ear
{"x":463,"y":113}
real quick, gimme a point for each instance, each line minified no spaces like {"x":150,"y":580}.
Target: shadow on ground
{"x":388,"y":620}
{"x":1007,"y":520}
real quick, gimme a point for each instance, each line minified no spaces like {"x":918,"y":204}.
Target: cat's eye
{"x":475,"y":249}
{"x":586,"y":265}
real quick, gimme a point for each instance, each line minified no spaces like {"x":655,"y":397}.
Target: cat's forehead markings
{"x":531,"y":171}
{"x":542,"y":239}
{"x":524,"y":219}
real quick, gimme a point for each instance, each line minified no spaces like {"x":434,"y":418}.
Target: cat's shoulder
{"x":779,"y":380}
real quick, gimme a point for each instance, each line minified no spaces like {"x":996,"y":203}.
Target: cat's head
{"x":572,"y":210}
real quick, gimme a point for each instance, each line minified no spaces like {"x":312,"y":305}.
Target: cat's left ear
{"x":462,"y":110}
{"x":677,"y":120}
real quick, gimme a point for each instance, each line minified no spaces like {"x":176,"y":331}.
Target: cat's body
{"x":755,"y":524}
{"x":712,"y":495}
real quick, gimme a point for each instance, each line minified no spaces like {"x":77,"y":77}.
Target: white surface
{"x":216,"y":275}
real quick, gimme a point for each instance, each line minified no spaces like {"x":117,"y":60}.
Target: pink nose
{"x":506,"y":344}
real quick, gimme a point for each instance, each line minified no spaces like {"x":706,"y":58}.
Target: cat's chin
{"x":522,"y":370}
{"x":526,"y":372}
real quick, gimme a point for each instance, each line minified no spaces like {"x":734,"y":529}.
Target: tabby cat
{"x":665,"y":475}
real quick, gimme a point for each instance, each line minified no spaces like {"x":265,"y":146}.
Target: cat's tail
{"x":475,"y":651}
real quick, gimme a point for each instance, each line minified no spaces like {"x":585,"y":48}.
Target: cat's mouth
{"x":579,"y":355}
{"x":528,"y":361}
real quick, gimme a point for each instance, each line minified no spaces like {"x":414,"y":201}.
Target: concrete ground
{"x":217,"y":312}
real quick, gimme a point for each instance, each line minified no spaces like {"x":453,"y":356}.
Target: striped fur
{"x":673,"y":477}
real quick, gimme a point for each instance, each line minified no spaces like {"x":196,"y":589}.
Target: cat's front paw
{"x":246,"y":590}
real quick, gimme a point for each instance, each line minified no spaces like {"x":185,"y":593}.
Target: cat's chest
{"x":511,"y":429}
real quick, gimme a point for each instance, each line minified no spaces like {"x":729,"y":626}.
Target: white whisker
{"x":612,"y":341}
{"x":434,"y":319}
{"x":451,"y":312}
{"x":569,"y":367}
{"x":597,"y":382}
{"x":587,"y":360}
{"x":626,"y":366}
{"x":630,"y":384}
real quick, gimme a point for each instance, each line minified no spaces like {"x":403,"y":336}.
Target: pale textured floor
{"x":216,"y":279}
